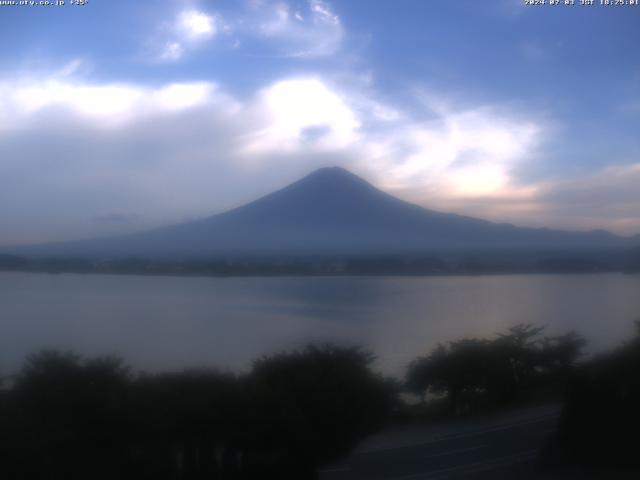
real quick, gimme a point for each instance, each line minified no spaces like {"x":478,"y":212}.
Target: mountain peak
{"x":333,"y":178}
{"x":333,"y":173}
{"x":330,"y":211}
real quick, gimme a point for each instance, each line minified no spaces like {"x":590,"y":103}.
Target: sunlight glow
{"x":197,"y":25}
{"x":465,"y":153}
{"x":293,"y":106}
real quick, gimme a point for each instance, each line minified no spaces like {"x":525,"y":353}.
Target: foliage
{"x":600,"y":418}
{"x":471,"y":373}
{"x":327,"y":397}
{"x":70,"y":418}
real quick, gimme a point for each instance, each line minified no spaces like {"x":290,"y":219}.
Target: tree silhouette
{"x":508,"y":369}
{"x":314,"y":404}
{"x":600,"y":418}
{"x":68,"y":418}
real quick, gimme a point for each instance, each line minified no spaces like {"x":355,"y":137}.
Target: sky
{"x":119,"y":116}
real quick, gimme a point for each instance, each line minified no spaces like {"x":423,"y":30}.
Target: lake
{"x":175,"y":322}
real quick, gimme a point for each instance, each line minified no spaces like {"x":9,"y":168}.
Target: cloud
{"x":111,"y":104}
{"x":172,"y":51}
{"x":72,"y":149}
{"x":294,"y":108}
{"x":136,"y":142}
{"x":314,"y":30}
{"x":70,"y":68}
{"x":187,"y":31}
{"x":608,"y":198}
{"x":458,"y":153}
{"x":461,"y":153}
{"x":273,"y":28}
{"x":195,"y":25}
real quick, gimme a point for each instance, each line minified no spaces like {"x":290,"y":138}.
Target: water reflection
{"x":171,"y":322}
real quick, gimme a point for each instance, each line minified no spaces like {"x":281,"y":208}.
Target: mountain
{"x":329,"y":212}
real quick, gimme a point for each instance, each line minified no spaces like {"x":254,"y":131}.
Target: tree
{"x":458,"y":371}
{"x":496,"y":372}
{"x":67,"y":417}
{"x":600,"y":417}
{"x":315,"y":404}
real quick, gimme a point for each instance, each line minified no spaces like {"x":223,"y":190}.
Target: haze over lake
{"x":175,"y":322}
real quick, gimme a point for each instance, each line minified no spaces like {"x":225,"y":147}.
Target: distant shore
{"x":329,"y":266}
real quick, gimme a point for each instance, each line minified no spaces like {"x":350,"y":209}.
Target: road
{"x":504,"y":446}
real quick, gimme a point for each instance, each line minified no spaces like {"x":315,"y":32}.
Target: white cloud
{"x":323,"y":12}
{"x":179,"y":96}
{"x":109,"y":104}
{"x":73,"y":150}
{"x":195,"y":25}
{"x":606,"y":198}
{"x":459,"y":153}
{"x":172,"y":51}
{"x":107,"y":101}
{"x":277,"y":20}
{"x":292,"y":108}
{"x":268,"y":27}
{"x":188,"y":30}
{"x":318,"y":32}
{"x":70,"y":68}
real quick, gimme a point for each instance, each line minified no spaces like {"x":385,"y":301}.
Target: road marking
{"x":453,"y":452}
{"x":472,"y":467}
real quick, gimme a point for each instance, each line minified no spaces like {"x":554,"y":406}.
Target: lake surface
{"x":175,"y":322}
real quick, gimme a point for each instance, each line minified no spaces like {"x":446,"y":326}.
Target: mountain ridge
{"x":330,"y":211}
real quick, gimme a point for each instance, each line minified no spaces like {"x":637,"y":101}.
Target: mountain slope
{"x":330,"y":211}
